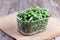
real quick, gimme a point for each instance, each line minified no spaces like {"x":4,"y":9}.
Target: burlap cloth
{"x":9,"y":25}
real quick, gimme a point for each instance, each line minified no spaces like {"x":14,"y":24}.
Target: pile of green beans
{"x":33,"y":14}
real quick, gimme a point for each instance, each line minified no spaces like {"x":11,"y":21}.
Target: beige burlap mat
{"x":9,"y":25}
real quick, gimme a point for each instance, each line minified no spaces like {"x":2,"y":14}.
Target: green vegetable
{"x":36,"y":12}
{"x":32,"y":19}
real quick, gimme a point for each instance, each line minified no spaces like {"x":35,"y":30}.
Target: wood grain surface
{"x":9,"y":6}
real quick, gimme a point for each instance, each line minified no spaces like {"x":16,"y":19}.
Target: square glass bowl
{"x":33,"y":26}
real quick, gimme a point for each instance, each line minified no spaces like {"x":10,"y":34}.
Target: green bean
{"x":37,"y":13}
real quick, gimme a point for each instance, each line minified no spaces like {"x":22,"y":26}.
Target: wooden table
{"x":9,"y":25}
{"x":14,"y":5}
